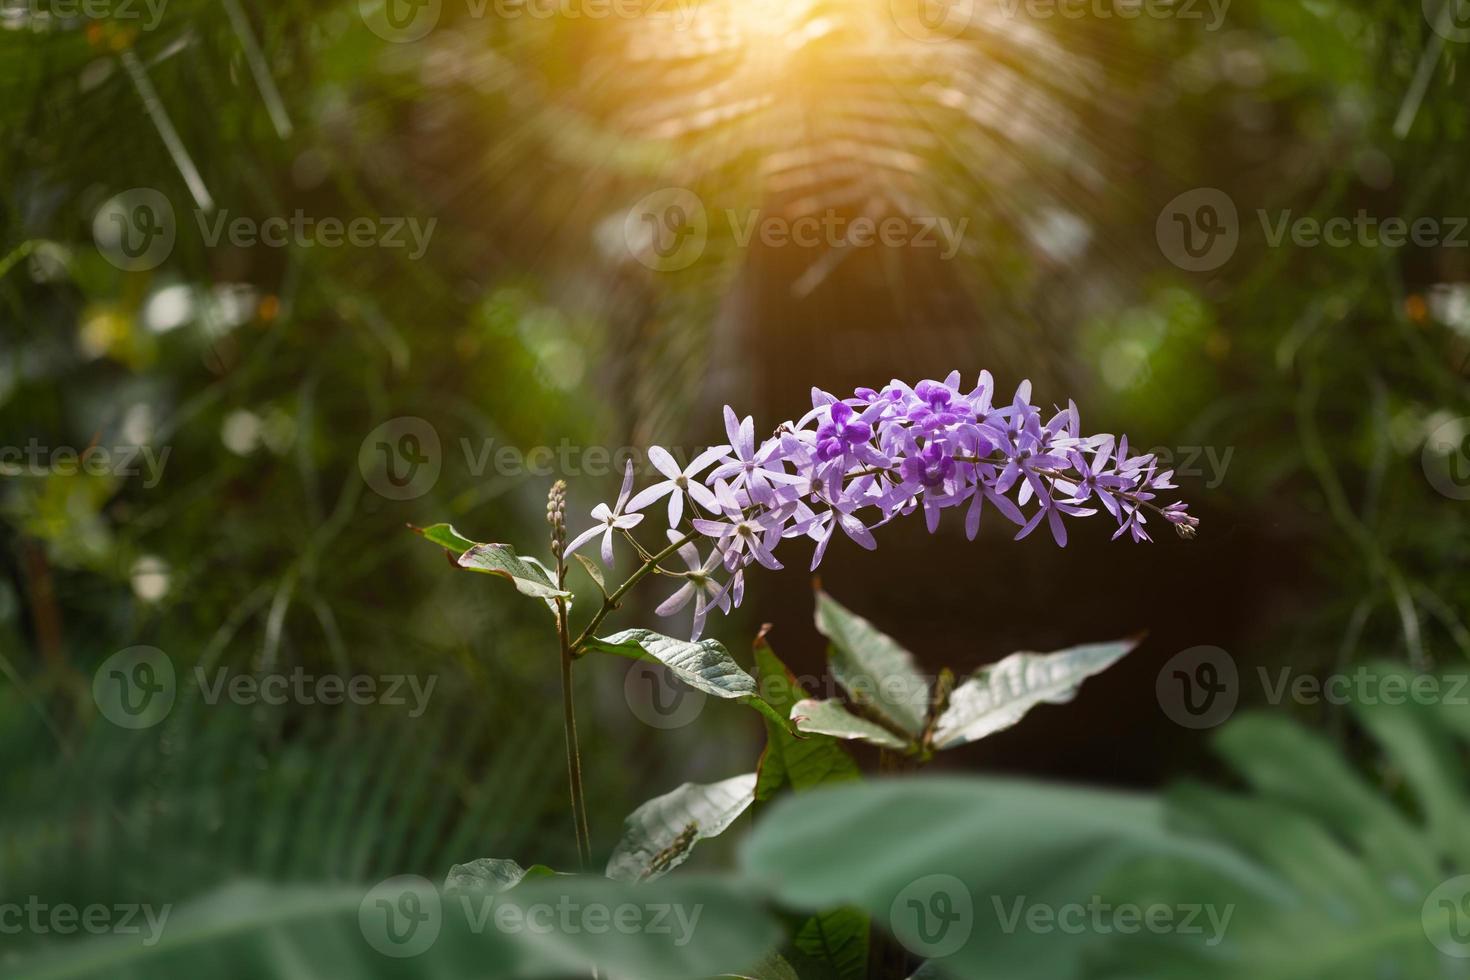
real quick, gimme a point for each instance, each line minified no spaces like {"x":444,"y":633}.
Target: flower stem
{"x":569,"y":726}
{"x":611,"y":602}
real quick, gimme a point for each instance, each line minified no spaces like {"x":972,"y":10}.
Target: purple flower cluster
{"x":857,"y":463}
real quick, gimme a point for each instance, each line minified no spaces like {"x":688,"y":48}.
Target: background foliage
{"x":1321,"y":370}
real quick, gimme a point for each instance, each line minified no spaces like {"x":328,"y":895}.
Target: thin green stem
{"x":569,"y":726}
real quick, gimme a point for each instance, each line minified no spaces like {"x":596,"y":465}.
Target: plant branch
{"x":611,"y":602}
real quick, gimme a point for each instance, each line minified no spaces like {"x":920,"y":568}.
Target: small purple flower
{"x":750,"y":467}
{"x":614,"y":519}
{"x":680,"y":484}
{"x":739,"y":534}
{"x":699,"y":585}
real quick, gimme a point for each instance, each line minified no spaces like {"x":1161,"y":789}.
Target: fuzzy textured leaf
{"x":500,"y":559}
{"x":491,"y":875}
{"x":658,"y":836}
{"x":996,"y":697}
{"x":831,"y":718}
{"x":801,"y":762}
{"x":445,"y":536}
{"x":872,"y":668}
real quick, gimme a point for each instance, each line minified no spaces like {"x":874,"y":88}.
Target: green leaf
{"x":658,"y":836}
{"x":874,"y":670}
{"x":525,"y":574}
{"x":998,"y":696}
{"x":716,"y":926}
{"x":491,"y":875}
{"x":831,"y":718}
{"x":802,"y":762}
{"x":982,"y":845}
{"x":445,"y":536}
{"x":837,"y":939}
{"x":594,"y":572}
{"x":704,"y":665}
{"x":773,"y":967}
{"x":1352,"y":883}
{"x":1402,"y":718}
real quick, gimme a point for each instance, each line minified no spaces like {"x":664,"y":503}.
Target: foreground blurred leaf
{"x":689,"y":927}
{"x":658,"y":836}
{"x":979,"y":845}
{"x":1351,"y":885}
{"x":998,"y":696}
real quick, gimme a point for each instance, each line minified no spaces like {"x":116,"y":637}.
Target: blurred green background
{"x":1313,"y":395}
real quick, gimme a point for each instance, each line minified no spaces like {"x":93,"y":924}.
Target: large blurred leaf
{"x":1360,"y":887}
{"x":691,"y":927}
{"x":980,"y":845}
